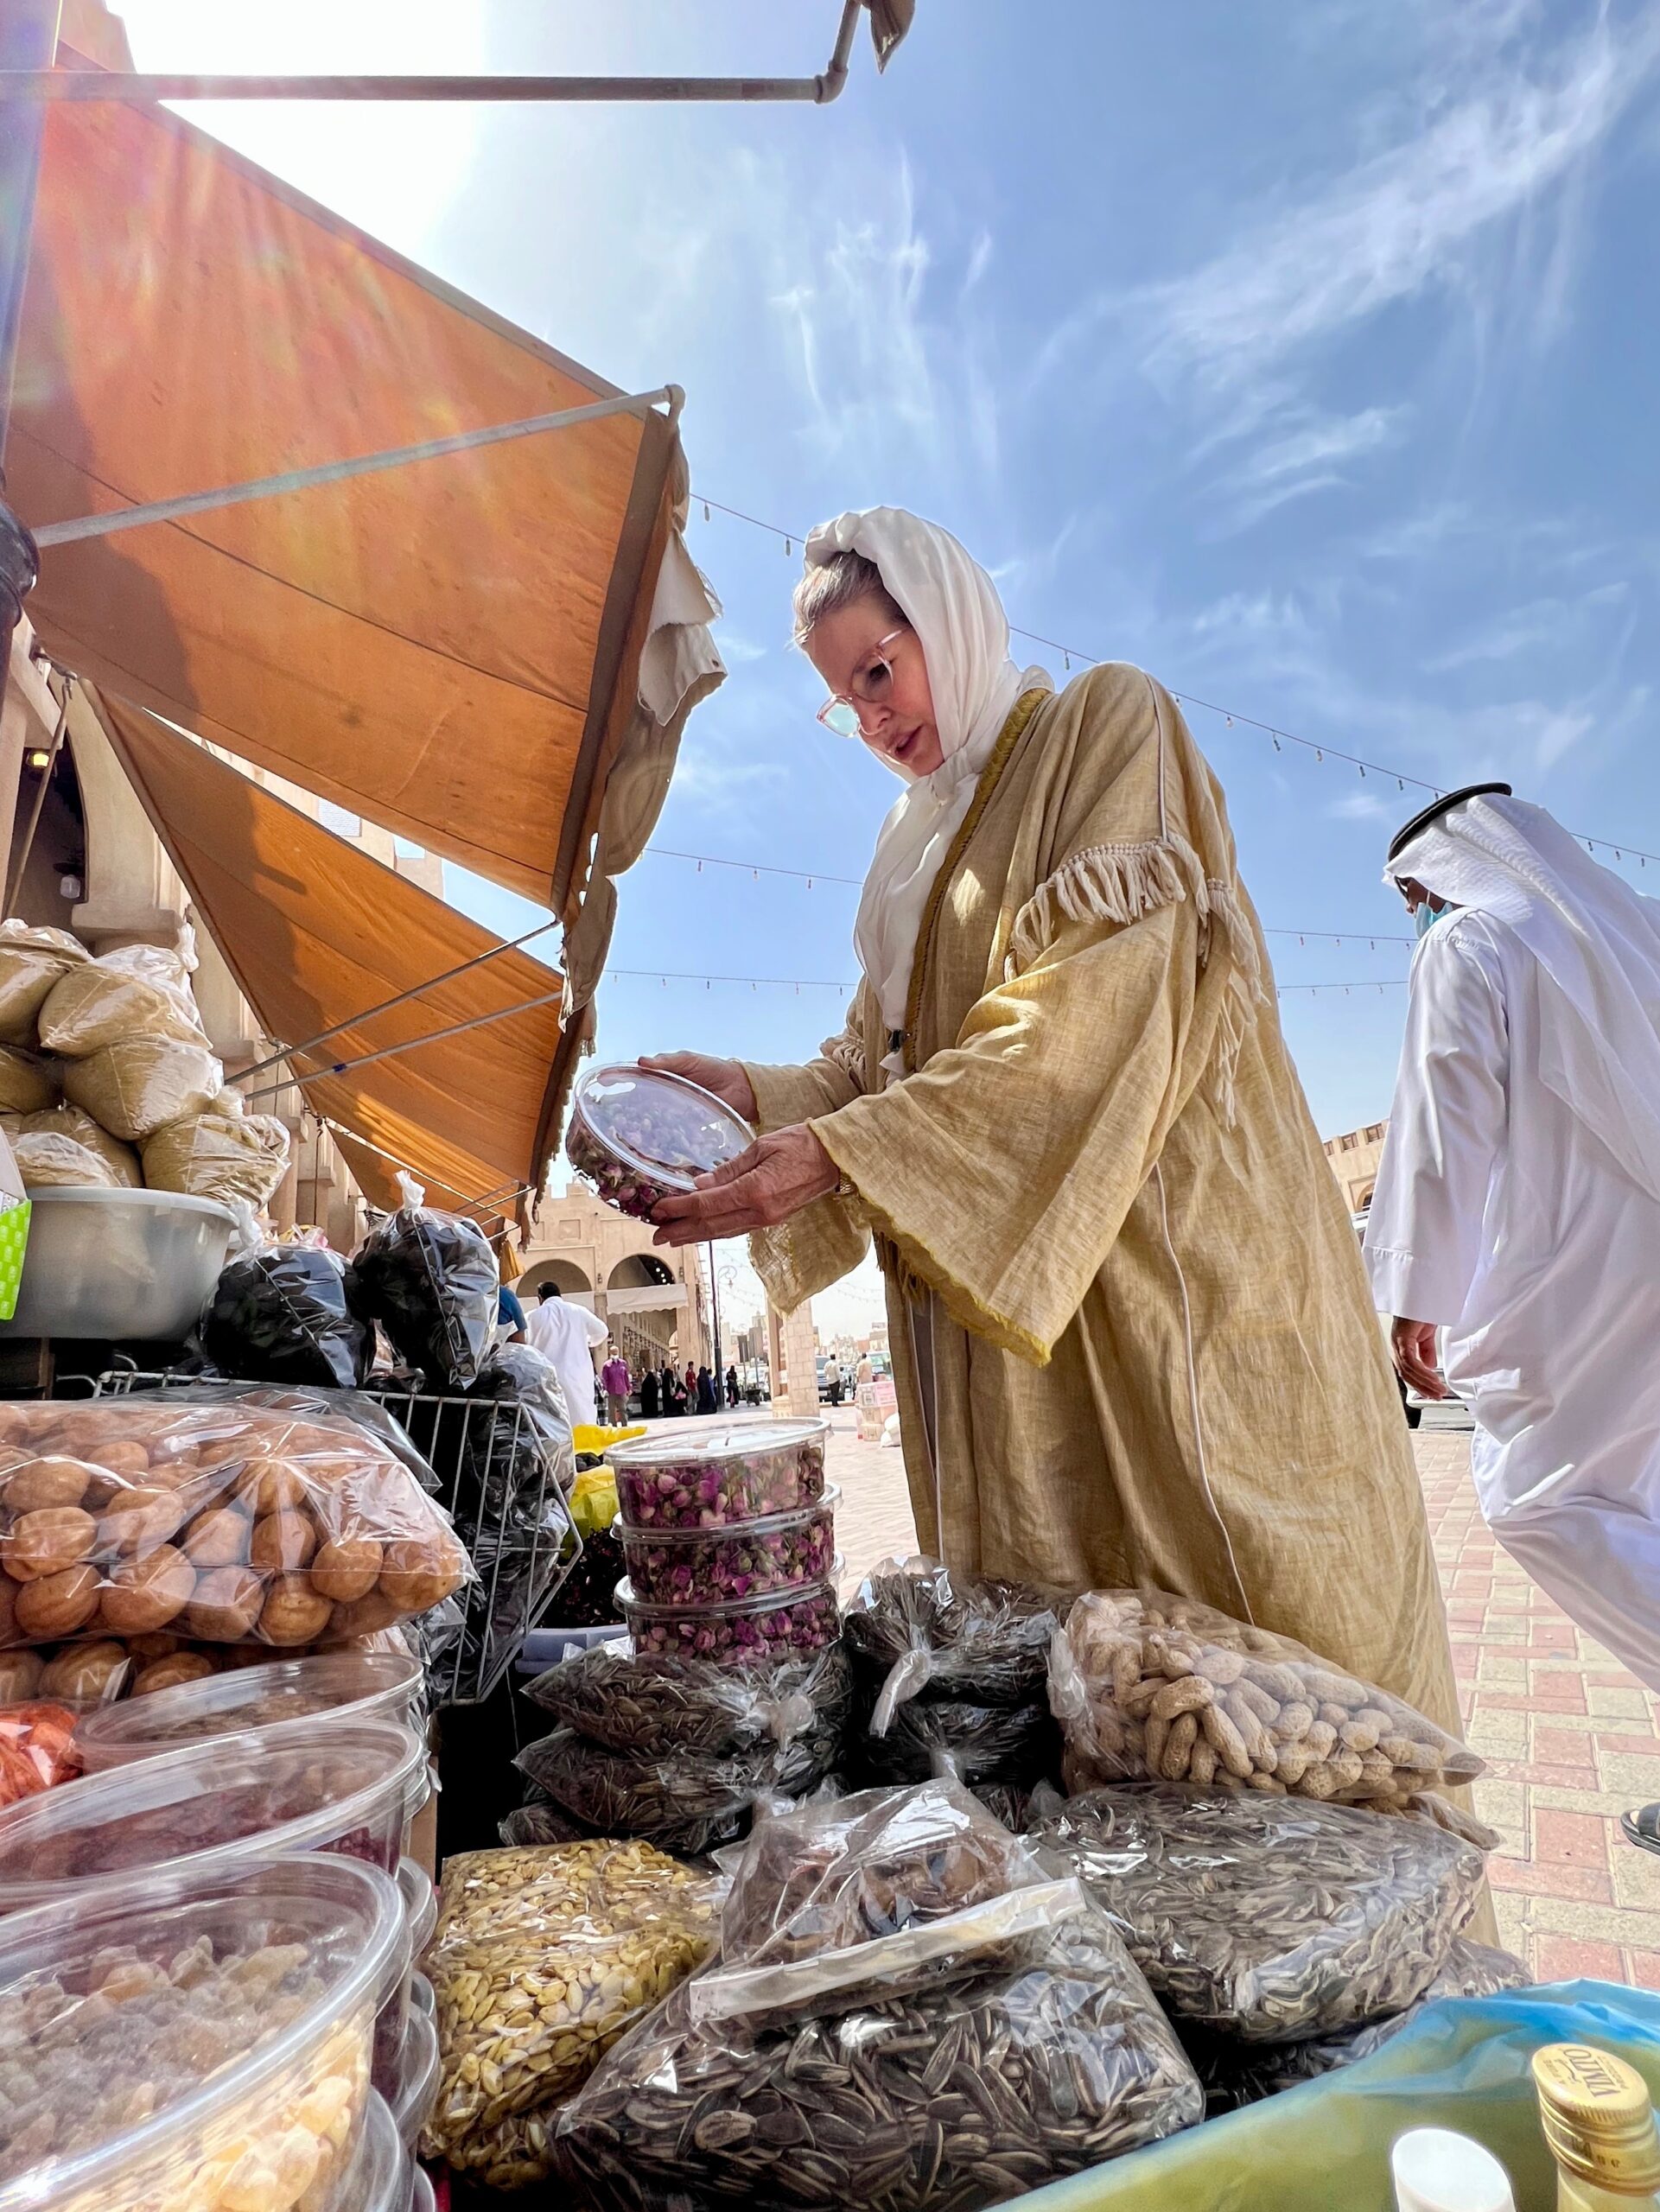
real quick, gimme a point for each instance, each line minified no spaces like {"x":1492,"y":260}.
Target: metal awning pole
{"x":28,"y":40}
{"x":20,"y":866}
{"x":27,"y":78}
{"x":337,"y":471}
{"x":411,"y":1045}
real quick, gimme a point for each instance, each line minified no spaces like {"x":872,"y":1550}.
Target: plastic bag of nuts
{"x":1236,"y":2073}
{"x":826,"y":1876}
{"x":1275,"y":1918}
{"x":918,"y":1631}
{"x":228,"y":1514}
{"x":656,"y":1705}
{"x":541,"y":1958}
{"x":1034,"y":2049}
{"x":683,"y":1801}
{"x":1149,"y":1686}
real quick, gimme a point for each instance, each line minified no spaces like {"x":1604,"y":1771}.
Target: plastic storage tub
{"x":422,"y":1996}
{"x":639,"y":1136}
{"x":749,"y":1632}
{"x":334,"y":1685}
{"x":417,"y":2078}
{"x":744,"y":1472}
{"x":697,"y":1566}
{"x":281,"y":1965}
{"x":420,"y":1904}
{"x":351,"y":1790}
{"x":133,"y":1265}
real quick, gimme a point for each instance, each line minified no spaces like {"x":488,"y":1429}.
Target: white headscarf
{"x":952,"y":605}
{"x":1597,"y":943}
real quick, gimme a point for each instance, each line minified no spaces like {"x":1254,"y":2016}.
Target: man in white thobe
{"x":1517,"y":1204}
{"x":566,"y":1335}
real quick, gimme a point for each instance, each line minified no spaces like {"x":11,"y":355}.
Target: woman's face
{"x":896,"y":712}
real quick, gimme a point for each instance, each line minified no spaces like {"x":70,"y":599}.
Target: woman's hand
{"x":726,"y":1078}
{"x":1412,"y":1344}
{"x":776,"y":1177}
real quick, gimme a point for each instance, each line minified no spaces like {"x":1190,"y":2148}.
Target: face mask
{"x":1427,"y":916}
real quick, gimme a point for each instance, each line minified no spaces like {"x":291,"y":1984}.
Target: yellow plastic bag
{"x":594,"y":1501}
{"x":138,"y":991}
{"x":136,"y":1087}
{"x":1463,"y":2064}
{"x":31,"y":962}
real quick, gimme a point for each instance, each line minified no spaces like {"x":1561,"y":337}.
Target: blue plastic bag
{"x":1462,"y":2064}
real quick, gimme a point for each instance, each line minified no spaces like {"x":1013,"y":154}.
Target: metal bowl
{"x":119,"y":1264}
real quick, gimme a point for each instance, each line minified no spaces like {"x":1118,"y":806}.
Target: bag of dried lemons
{"x":542,"y":1957}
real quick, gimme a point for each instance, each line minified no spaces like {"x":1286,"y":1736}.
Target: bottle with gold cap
{"x":1600,"y":2128}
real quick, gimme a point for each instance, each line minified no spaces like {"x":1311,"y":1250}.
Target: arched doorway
{"x":567,"y":1277}
{"x":645,"y":1333}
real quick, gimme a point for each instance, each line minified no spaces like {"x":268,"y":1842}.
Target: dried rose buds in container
{"x":742,"y":1559}
{"x":639,"y":1136}
{"x":748,"y":1632}
{"x":745,"y":1472}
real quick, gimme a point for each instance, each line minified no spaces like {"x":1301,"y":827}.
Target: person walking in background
{"x":568,"y":1334}
{"x":1517,"y":1204}
{"x":673,"y":1391}
{"x":510,"y":1316}
{"x":707,"y":1400}
{"x":648,"y":1395}
{"x":864,"y":1372}
{"x":615,"y":1383}
{"x":833,"y":1379}
{"x":691,"y":1387}
{"x":731,"y":1386}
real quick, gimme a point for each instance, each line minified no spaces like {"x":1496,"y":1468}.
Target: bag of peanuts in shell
{"x":224,"y":1513}
{"x":1148,"y":1686}
{"x":542,"y":1957}
{"x":1271,"y":1918}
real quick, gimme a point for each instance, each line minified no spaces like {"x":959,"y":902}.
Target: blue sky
{"x":1305,"y":355}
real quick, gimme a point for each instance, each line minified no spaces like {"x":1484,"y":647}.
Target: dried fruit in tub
{"x":542,"y":1957}
{"x":742,"y":1474}
{"x":652,"y":1705}
{"x":689,"y":1566}
{"x":1149,"y":1686}
{"x":1275,"y":1918}
{"x":1018,"y":2059}
{"x":639,"y":1136}
{"x":749,"y":1632}
{"x":223,"y":1513}
{"x":37,"y":1749}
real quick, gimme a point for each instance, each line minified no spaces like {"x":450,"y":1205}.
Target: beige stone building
{"x":1355,"y":1156}
{"x":656,"y":1303}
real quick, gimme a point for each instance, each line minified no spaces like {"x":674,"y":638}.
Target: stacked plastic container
{"x":204,"y":1786}
{"x":729,"y":1543}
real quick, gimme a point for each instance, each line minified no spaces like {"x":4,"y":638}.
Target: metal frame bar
{"x":337,"y":471}
{"x":413,"y":1045}
{"x":151,"y":87}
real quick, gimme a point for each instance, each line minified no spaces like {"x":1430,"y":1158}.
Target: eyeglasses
{"x":873,"y":684}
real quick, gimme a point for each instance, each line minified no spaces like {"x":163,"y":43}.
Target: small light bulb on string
{"x":1228,"y":719}
{"x":1067,"y":657}
{"x":1362,"y":767}
{"x":1278,"y":747}
{"x":1320,"y":756}
{"x":789,"y":548}
{"x":707,"y":516}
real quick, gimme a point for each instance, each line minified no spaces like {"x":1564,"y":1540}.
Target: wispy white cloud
{"x":1542,"y":624}
{"x":1361,"y":806}
{"x":1307,"y":453}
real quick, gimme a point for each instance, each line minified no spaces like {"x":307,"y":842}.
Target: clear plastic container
{"x":351,"y":1790}
{"x":750,"y":1632}
{"x":343,"y":1686}
{"x":640,"y":1136}
{"x":420,"y":1904}
{"x":745,"y":1472}
{"x":696,"y":1566}
{"x":422,"y":1996}
{"x":422,"y":2198}
{"x":240,"y":2029}
{"x":417,"y":2078}
{"x":383,"y":2176}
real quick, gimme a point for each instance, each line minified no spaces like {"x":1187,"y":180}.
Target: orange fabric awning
{"x":452,"y":649}
{"x":315,"y":931}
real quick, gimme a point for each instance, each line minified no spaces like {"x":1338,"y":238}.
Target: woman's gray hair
{"x":843,"y":581}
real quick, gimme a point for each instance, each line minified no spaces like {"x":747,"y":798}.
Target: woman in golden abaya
{"x":1129,"y":1324}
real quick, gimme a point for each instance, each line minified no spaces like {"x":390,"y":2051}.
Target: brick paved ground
{"x":1569,"y":1738}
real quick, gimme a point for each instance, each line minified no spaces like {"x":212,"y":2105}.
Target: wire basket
{"x":518,"y":1533}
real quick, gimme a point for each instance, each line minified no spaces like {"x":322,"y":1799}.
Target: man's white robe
{"x":1499,"y":1214}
